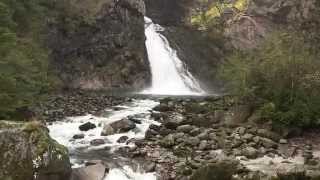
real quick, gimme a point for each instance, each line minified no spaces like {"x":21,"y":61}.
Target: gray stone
{"x":97,"y":142}
{"x":203,"y":145}
{"x":185,"y":128}
{"x":203,"y":136}
{"x":268,"y":134}
{"x":78,"y":136}
{"x":87,"y":126}
{"x":268,"y":143}
{"x":93,"y":172}
{"x":241,"y":130}
{"x":167,"y":141}
{"x":283,"y":141}
{"x":248,"y":137}
{"x":195,"y":132}
{"x":123,"y":126}
{"x":193,"y":141}
{"x":122,"y":139}
{"x":250,"y":152}
{"x":107,"y":130}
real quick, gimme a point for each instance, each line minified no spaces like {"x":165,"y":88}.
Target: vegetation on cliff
{"x":23,"y":58}
{"x":282,"y":77}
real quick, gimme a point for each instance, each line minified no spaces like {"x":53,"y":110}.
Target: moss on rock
{"x":28,"y":152}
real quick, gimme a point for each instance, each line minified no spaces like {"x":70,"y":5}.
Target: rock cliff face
{"x":28,"y":153}
{"x":100,"y":44}
{"x":247,"y":29}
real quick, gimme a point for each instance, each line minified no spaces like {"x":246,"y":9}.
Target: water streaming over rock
{"x":82,"y":151}
{"x":169,"y":75}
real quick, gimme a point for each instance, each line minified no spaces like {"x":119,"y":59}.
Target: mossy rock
{"x":28,"y":152}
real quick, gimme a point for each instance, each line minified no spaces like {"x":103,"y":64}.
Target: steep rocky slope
{"x":100,"y":44}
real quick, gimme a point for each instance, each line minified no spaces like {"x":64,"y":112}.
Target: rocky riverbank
{"x":196,"y":138}
{"x":206,"y":138}
{"x":76,"y":103}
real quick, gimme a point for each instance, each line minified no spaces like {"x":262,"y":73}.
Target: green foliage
{"x":23,"y":58}
{"x":210,"y":14}
{"x":282,"y":75}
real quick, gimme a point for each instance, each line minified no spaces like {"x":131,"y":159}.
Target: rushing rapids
{"x":81,"y":151}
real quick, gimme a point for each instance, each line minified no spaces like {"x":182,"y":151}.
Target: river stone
{"x":193,"y":141}
{"x":87,"y":126}
{"x":283,"y":141}
{"x":268,"y":134}
{"x":150,"y":133}
{"x":122,"y":139}
{"x":185,"y":128}
{"x":221,"y":170}
{"x":241,"y":130}
{"x":248,"y":137}
{"x":107,"y":130}
{"x":250,"y":152}
{"x":195,"y":132}
{"x":78,"y":136}
{"x":162,"y":108}
{"x":203,"y":145}
{"x":93,"y":172}
{"x":149,"y":167}
{"x":123,"y":126}
{"x":154,"y":127}
{"x":268,"y":143}
{"x":97,"y":142}
{"x":134,"y":119}
{"x":204,"y":136}
{"x":167,"y":141}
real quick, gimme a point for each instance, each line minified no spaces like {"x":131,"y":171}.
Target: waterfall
{"x":169,"y":75}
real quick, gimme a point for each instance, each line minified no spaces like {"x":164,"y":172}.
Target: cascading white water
{"x":169,"y":75}
{"x":63,"y":132}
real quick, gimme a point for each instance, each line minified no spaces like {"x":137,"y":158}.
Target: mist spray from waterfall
{"x":169,"y":75}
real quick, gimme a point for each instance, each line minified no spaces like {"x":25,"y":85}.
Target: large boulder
{"x":123,"y":126}
{"x":28,"y":152}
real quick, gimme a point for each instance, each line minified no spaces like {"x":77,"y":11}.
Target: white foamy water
{"x":271,"y":166}
{"x":169,"y":74}
{"x":128,"y":174}
{"x":64,"y":131}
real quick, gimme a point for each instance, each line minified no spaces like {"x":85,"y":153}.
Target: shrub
{"x":282,"y":75}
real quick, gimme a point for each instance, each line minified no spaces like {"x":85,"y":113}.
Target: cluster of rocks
{"x":75,"y":103}
{"x":198,"y":133}
{"x":121,"y":126}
